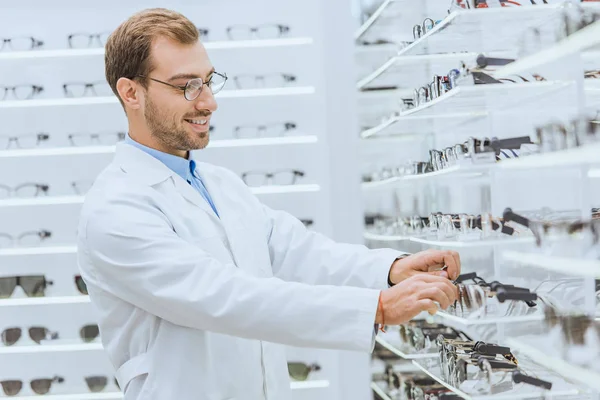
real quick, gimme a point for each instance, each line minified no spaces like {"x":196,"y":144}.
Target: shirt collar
{"x":181,"y":166}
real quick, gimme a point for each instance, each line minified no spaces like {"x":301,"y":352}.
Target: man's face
{"x":178,"y":124}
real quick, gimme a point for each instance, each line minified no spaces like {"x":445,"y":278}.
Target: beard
{"x":169,"y":130}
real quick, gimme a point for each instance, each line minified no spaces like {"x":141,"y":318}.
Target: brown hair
{"x":128,"y":47}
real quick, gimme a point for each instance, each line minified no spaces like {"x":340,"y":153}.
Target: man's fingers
{"x":442,"y":274}
{"x":436,"y":293}
{"x":456,"y":257}
{"x":427,"y":305}
{"x":450,"y":289}
{"x":452,"y":262}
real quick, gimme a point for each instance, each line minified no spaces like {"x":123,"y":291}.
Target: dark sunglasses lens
{"x":81,"y":286}
{"x":37,"y":334}
{"x":7,"y":287}
{"x":96,"y":383}
{"x":11,"y":388}
{"x":117,"y":384}
{"x":89,"y":332}
{"x":298,"y":371}
{"x":11,"y":336}
{"x":41,"y":386}
{"x":34,"y":286}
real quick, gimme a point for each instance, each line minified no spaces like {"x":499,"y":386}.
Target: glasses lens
{"x":248,"y":81}
{"x":75,"y":89}
{"x":284,"y":178}
{"x":102,"y":89}
{"x":38,"y":333}
{"x":24,"y":92}
{"x":7,"y":286}
{"x":21,"y":43}
{"x":254,"y":179}
{"x":270,"y":31}
{"x":41,"y":386}
{"x":103,"y":37}
{"x":244,"y":132}
{"x":11,"y":336}
{"x":27,"y":190}
{"x":31,"y":239}
{"x":78,"y":41}
{"x":96,"y":383}
{"x":81,"y":286}
{"x":108,"y":138}
{"x":81,"y":187}
{"x":33,"y":286}
{"x":11,"y":388}
{"x":298,"y":371}
{"x":239,"y":32}
{"x":27,"y":142}
{"x":193,"y":88}
{"x":89,"y":332}
{"x":217,"y":82}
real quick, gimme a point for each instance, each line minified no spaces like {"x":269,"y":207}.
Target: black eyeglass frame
{"x":185,"y":87}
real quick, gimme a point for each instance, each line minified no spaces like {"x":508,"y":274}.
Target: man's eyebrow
{"x":190,"y":76}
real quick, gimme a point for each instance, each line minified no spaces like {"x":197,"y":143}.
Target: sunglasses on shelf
{"x":98,"y":383}
{"x":33,"y":285}
{"x":39,"y":386}
{"x":89,"y":333}
{"x":300,"y":371}
{"x":81,"y":286}
{"x":11,"y":336}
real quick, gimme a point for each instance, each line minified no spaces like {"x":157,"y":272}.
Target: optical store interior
{"x":463,"y":125}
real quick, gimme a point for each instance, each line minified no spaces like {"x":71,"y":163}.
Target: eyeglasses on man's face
{"x":20,"y":43}
{"x":266,"y":31}
{"x":193,"y":88}
{"x":23,"y":142}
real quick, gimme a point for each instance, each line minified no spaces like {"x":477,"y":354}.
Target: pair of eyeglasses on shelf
{"x":278,"y":129}
{"x":32,"y":285}
{"x":83,"y":40}
{"x":10,"y":336}
{"x":20,"y":43}
{"x":96,"y":139}
{"x":544,"y":230}
{"x":98,"y":383}
{"x":384,"y":225}
{"x":20,"y":92}
{"x":411,"y":386}
{"x":87,"y":89}
{"x":278,"y":178}
{"x":25,"y":239}
{"x":24,"y":141}
{"x":557,"y":136}
{"x":592,"y":74}
{"x":464,"y":226}
{"x":299,"y":371}
{"x":420,"y":335}
{"x":474,"y":4}
{"x":258,"y":81}
{"x":24,"y":190}
{"x":39,"y":386}
{"x":421,"y":29}
{"x":265,"y":31}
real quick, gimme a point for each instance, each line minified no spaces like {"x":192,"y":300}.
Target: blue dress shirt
{"x":181,"y":166}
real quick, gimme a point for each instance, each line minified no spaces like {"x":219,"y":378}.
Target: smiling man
{"x":197,"y":284}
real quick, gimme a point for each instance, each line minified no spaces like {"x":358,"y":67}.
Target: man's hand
{"x":404,"y":301}
{"x":429,"y":262}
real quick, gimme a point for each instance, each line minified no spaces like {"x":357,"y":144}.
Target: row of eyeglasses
{"x":83,"y":40}
{"x":276,"y":129}
{"x":472,"y":151}
{"x":411,"y":385}
{"x":33,"y":286}
{"x":103,"y":89}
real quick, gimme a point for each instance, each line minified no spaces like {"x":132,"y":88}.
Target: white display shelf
{"x":384,"y":23}
{"x":51,"y":348}
{"x":575,"y":373}
{"x":384,"y":238}
{"x":587,"y":39}
{"x":29,"y":251}
{"x":47,"y":300}
{"x":307,"y":188}
{"x":112,"y":100}
{"x":483,"y":30}
{"x":592,"y":93}
{"x":214,"y":144}
{"x":559,"y":389}
{"x":382,"y":341}
{"x":463,"y":244}
{"x":380,"y":392}
{"x":405,"y":71}
{"x":568,"y":266}
{"x":316,"y":384}
{"x":487,"y":320}
{"x":456,"y":171}
{"x":97,"y":52}
{"x":570,"y":157}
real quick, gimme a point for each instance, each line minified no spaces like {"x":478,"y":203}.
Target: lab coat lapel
{"x":192,"y":195}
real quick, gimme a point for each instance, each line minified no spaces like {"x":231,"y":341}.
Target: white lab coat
{"x":191,"y":306}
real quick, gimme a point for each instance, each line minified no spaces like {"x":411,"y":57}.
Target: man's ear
{"x":130,"y":93}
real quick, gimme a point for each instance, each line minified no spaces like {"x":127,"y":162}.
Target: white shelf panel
{"x":225,"y":143}
{"x":51,"y":348}
{"x":316,"y":384}
{"x":399,"y":352}
{"x":482,"y":30}
{"x":380,"y":392}
{"x":472,"y":243}
{"x":286,"y":189}
{"x":405,"y":71}
{"x":586,"y":39}
{"x":29,"y":251}
{"x":489,"y":319}
{"x":384,"y":238}
{"x":98,"y":52}
{"x":384,"y":22}
{"x":592,"y":93}
{"x":112,"y":100}
{"x":568,"y":266}
{"x":569,"y":157}
{"x":456,"y":171}
{"x":559,"y":389}
{"x":575,"y":373}
{"x":35,"y":301}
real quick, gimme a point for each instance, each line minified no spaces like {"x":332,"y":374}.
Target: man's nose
{"x":206,"y":100}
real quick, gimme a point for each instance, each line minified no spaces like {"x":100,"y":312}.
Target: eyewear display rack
{"x":314,"y":103}
{"x":557,"y":184}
